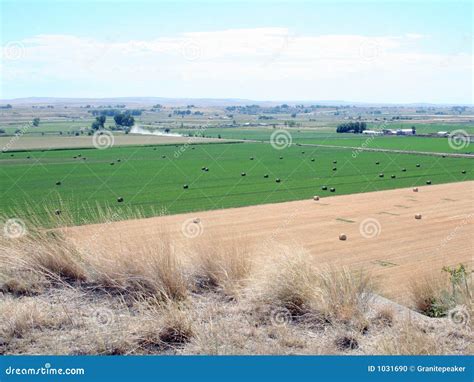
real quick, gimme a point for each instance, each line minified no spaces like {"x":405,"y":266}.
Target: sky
{"x":372,"y":51}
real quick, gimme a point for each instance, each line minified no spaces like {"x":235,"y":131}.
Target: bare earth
{"x":401,"y":246}
{"x":42,"y":143}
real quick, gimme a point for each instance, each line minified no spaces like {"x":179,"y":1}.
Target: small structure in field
{"x":342,"y":237}
{"x":418,"y":216}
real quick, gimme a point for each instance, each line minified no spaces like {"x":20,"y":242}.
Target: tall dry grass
{"x":221,"y":266}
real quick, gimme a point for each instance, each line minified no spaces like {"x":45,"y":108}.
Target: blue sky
{"x":277,"y":50}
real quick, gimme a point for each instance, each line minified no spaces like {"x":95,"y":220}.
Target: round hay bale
{"x":119,"y":160}
{"x":332,"y":189}
{"x":334,"y":169}
{"x":251,"y":158}
{"x":443,"y":156}
{"x":74,"y":157}
{"x":393,"y":177}
{"x":120,"y":199}
{"x":302,"y":152}
{"x":185,"y":186}
{"x":265,"y":176}
{"x":463,"y":171}
{"x":404,"y":169}
{"x":315,"y":197}
{"x":84,"y":158}
{"x":324,"y":188}
{"x":278,"y":180}
{"x":281,"y":157}
{"x":428,"y":182}
{"x":418,"y":165}
{"x":243,"y":174}
{"x":196,"y":220}
{"x":79,"y":155}
{"x":342,"y":237}
{"x":203,"y":168}
{"x":206,"y":169}
{"x":163,"y":156}
{"x":418,"y":216}
{"x":57,"y":212}
{"x":415,"y":189}
{"x":312,"y":159}
{"x":112,"y":163}
{"x":377,"y":163}
{"x":381,"y":175}
{"x":58,"y":183}
{"x":28,"y":157}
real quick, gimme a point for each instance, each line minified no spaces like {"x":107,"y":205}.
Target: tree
{"x":352,"y":127}
{"x":124,"y":119}
{"x":36,"y":122}
{"x":99,"y":122}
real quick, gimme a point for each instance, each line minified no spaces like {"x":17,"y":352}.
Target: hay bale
{"x":334,"y":169}
{"x":185,"y":186}
{"x":381,"y":175}
{"x":332,"y":189}
{"x":120,"y":199}
{"x":243,"y":174}
{"x":334,"y":161}
{"x":206,"y":169}
{"x":163,"y":156}
{"x":312,"y":159}
{"x":415,"y":189}
{"x":28,"y":157}
{"x":57,"y":212}
{"x":281,"y":157}
{"x":278,"y":180}
{"x":112,"y":163}
{"x":265,"y":176}
{"x":324,"y":188}
{"x":418,"y":165}
{"x":203,"y":168}
{"x":418,"y":216}
{"x":377,"y":163}
{"x":84,"y":158}
{"x":119,"y":160}
{"x":58,"y":183}
{"x":393,"y":177}
{"x":251,"y":158}
{"x":74,"y":157}
{"x":428,"y":182}
{"x":342,"y":237}
{"x":315,"y":197}
{"x":463,"y":171}
{"x":196,"y":220}
{"x":302,"y":152}
{"x":404,"y":169}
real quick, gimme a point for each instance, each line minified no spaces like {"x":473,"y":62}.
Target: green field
{"x":316,"y":137}
{"x":147,"y":180}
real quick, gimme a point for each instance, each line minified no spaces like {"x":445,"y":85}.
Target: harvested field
{"x":383,"y":236}
{"x":42,"y":143}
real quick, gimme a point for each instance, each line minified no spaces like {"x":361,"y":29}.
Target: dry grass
{"x":222,"y":266}
{"x":53,"y":301}
{"x":150,"y":271}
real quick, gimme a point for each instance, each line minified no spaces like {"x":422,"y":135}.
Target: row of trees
{"x":124,"y":119}
{"x":352,"y":127}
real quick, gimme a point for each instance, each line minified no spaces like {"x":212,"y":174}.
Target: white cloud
{"x":250,"y":57}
